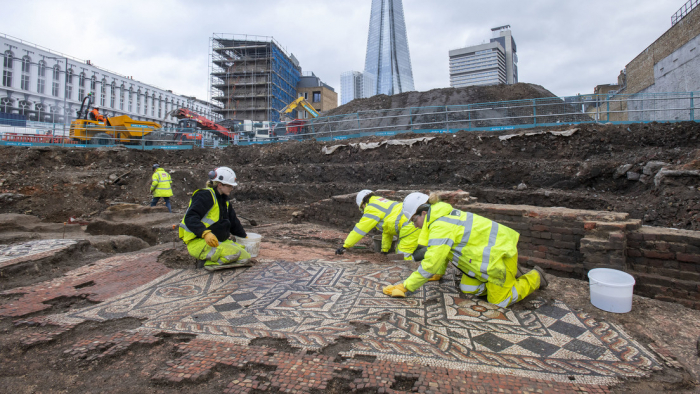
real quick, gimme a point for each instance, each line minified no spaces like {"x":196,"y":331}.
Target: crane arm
{"x":300,"y":102}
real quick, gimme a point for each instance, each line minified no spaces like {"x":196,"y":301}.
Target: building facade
{"x":388,"y":59}
{"x":48,"y":86}
{"x":320,"y":95}
{"x":355,"y":85}
{"x":487,"y":64}
{"x":252,"y":77}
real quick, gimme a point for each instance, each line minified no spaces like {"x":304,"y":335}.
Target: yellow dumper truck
{"x":115,"y":130}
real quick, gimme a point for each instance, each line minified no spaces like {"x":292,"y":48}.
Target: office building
{"x":356,"y":85}
{"x":48,"y":86}
{"x":388,"y":59}
{"x":487,"y":64}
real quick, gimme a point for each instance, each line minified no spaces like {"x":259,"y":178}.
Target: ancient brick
{"x":689,"y":258}
{"x":561,"y":230}
{"x":589,"y":226}
{"x":556,"y":237}
{"x":546,"y":235}
{"x":689,"y":267}
{"x":653,"y":254}
{"x":634,"y":253}
{"x":539,"y":227}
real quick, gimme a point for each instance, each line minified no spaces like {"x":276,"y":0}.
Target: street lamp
{"x":65,"y":93}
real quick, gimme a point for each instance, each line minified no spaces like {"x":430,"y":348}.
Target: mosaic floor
{"x":314,"y":303}
{"x":12,"y":254}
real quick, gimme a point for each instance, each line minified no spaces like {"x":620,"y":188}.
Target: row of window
{"x":7,"y":75}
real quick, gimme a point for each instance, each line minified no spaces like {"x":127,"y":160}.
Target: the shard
{"x":388,"y":59}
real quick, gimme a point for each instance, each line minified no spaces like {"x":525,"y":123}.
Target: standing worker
{"x":486,"y":252}
{"x":210,"y":220}
{"x":387,"y":217}
{"x":161,"y":186}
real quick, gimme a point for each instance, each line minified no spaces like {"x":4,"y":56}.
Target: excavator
{"x":294,"y":126}
{"x":114,"y":130}
{"x":299,"y":102}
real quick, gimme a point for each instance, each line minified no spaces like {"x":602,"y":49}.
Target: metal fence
{"x":503,"y":115}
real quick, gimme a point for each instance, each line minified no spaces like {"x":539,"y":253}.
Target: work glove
{"x":210,"y":238}
{"x":395,"y":290}
{"x":340,"y":251}
{"x":435,"y":278}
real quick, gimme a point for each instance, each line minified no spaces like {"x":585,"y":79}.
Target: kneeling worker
{"x":486,"y":252}
{"x":210,"y":220}
{"x":387,"y":217}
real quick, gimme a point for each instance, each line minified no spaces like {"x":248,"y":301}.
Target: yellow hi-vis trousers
{"x":512,"y":291}
{"x":227,"y":255}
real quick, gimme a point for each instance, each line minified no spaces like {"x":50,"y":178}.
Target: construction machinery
{"x":299,"y":102}
{"x":113,"y":130}
{"x":205,"y":124}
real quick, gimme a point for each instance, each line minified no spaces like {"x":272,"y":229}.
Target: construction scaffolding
{"x":251,"y":76}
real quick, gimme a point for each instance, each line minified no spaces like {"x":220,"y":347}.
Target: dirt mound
{"x":444,"y":96}
{"x":595,"y":167}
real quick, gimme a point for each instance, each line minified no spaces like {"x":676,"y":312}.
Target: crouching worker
{"x":387,"y":217}
{"x":485,"y":251}
{"x":210,"y":220}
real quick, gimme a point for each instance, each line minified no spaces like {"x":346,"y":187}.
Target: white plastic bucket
{"x":611,"y":290}
{"x":251,"y":243}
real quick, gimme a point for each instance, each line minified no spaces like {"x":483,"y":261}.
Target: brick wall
{"x":570,"y":242}
{"x":666,"y":264}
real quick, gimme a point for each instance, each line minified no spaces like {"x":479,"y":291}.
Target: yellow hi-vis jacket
{"x":386,"y":216}
{"x":476,"y":245}
{"x":160,"y":184}
{"x":210,"y":218}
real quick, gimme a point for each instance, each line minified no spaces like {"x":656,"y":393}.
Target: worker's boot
{"x":543,"y":280}
{"x":521,"y":271}
{"x":200,"y":264}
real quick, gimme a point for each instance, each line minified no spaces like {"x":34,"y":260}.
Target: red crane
{"x":204,"y":123}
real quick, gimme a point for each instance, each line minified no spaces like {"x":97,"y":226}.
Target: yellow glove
{"x":395,"y":290}
{"x":435,"y":278}
{"x":210,"y":238}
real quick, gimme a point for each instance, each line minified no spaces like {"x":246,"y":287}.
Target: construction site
{"x":106,"y":289}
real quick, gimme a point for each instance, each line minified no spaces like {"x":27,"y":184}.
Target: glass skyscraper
{"x":388,"y":59}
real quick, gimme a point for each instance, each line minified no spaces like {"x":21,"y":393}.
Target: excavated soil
{"x":602,"y":167}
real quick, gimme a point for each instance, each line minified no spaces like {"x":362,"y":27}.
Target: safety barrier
{"x":503,"y":115}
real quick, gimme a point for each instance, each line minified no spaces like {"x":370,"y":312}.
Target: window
{"x":160,"y":106}
{"x":93,"y":85}
{"x":41,"y":110}
{"x":69,"y":84}
{"x":25,"y":82}
{"x":26,"y":64}
{"x":113,"y":95}
{"x":81,"y":86}
{"x":25,"y":108}
{"x":56,"y":74}
{"x":153,"y":105}
{"x":138,"y":101}
{"x":121,"y":98}
{"x":306,"y":95}
{"x":145,"y":103}
{"x":41,"y":69}
{"x":7,"y":69}
{"x":103,"y":92}
{"x":131,"y":98}
{"x":40,"y":85}
{"x":317,"y":97}
{"x":6,"y":104}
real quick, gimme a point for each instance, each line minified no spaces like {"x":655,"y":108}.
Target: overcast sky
{"x":564,"y":45}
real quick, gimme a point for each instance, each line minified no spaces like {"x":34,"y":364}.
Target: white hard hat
{"x":224,"y":175}
{"x":361,"y":195}
{"x":412,"y":202}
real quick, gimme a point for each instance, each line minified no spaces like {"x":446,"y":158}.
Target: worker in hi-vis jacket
{"x":386,"y":216}
{"x":486,"y":252}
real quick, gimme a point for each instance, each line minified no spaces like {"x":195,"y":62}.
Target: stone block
{"x":688,"y":258}
{"x":653,"y":254}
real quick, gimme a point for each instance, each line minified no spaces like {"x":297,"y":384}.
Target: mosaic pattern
{"x":313,"y":303}
{"x":12,"y":254}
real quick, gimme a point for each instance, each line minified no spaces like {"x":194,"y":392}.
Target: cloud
{"x":566,"y":46}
